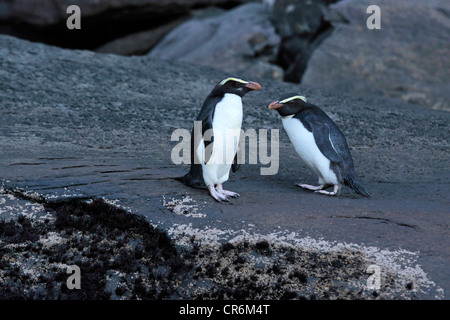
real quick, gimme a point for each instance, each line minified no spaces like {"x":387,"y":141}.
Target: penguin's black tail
{"x":194,"y":178}
{"x":354,"y":184}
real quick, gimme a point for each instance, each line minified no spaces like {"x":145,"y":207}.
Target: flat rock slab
{"x":75,"y":124}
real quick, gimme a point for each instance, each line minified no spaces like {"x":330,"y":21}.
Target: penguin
{"x":319,"y":143}
{"x":214,"y":149}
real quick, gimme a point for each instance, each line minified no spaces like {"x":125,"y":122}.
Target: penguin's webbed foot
{"x":336,"y":191}
{"x":231,"y":194}
{"x":227,"y":192}
{"x":321,"y":188}
{"x":217,"y":195}
{"x":310,"y":187}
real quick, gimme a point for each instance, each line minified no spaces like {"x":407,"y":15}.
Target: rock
{"x":46,"y":13}
{"x":241,"y":40}
{"x":297,"y":18}
{"x":406,"y":59}
{"x":102,"y":21}
{"x":301,"y":26}
{"x":293,"y":56}
{"x":138,"y":43}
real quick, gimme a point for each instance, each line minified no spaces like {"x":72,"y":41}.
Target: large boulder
{"x":408,"y":58}
{"x":241,"y":40}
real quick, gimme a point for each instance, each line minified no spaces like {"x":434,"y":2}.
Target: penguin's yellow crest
{"x":293,"y":98}
{"x":232,"y":79}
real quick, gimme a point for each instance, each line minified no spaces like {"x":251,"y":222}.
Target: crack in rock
{"x":385,"y":220}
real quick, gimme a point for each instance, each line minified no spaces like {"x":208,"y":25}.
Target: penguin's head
{"x":236,"y":86}
{"x":289,"y":104}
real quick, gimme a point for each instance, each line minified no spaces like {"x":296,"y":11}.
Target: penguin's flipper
{"x":235,"y":166}
{"x":208,"y":135}
{"x":206,"y":116}
{"x":321,"y":133}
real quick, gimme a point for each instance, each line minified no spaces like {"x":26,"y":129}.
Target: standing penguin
{"x":319,"y":143}
{"x":214,"y":148}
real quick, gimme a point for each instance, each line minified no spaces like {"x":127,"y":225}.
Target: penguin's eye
{"x":236,"y":85}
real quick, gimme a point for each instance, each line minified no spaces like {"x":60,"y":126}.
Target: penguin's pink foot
{"x":216,"y":195}
{"x":310,"y":187}
{"x":336,"y":191}
{"x":227,"y":193}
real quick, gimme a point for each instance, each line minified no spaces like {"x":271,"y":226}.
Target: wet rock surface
{"x":76,"y":125}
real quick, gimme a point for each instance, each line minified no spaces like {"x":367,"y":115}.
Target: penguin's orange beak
{"x":275,"y":105}
{"x":253,"y":85}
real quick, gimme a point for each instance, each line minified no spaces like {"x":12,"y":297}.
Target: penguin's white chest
{"x":227,"y":123}
{"x":228,"y":114}
{"x":307,"y":149}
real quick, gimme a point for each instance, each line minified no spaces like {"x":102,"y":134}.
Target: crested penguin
{"x":214,"y":148}
{"x":319,"y":143}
